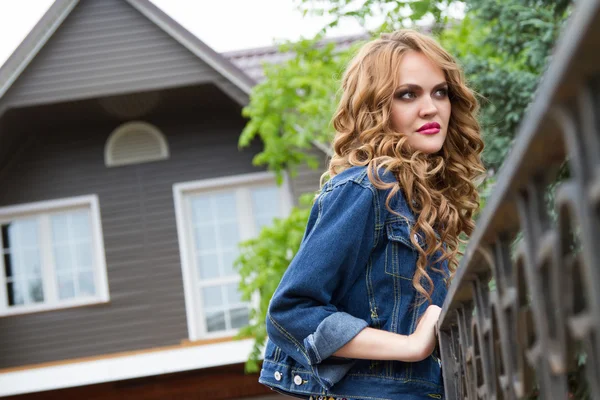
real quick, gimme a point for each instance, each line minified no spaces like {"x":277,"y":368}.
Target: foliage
{"x":261,"y":264}
{"x":503,"y":46}
{"x":290,"y":110}
{"x":390,"y":14}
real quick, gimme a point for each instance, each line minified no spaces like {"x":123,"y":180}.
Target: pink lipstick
{"x":430,"y":128}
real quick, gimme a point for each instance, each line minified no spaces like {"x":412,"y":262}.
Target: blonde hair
{"x":439,"y":187}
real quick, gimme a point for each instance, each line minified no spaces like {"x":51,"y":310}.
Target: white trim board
{"x":125,"y":367}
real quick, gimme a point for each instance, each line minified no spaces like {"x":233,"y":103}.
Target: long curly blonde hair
{"x":439,"y":187}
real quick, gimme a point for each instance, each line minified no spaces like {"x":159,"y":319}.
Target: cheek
{"x":446,"y":111}
{"x":402,"y":118}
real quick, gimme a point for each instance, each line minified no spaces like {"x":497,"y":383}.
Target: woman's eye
{"x":406,"y":95}
{"x":441,"y":92}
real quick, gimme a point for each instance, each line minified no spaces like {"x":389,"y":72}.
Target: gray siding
{"x":147,"y":302}
{"x":106,"y":47}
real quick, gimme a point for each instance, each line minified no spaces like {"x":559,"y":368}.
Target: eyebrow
{"x":413,"y":86}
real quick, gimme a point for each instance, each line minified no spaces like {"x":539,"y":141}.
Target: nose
{"x":428,"y":108}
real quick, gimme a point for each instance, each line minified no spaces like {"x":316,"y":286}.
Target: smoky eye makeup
{"x":410,"y":91}
{"x":404,"y":94}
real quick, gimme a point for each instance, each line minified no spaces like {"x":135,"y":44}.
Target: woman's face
{"x":421,"y":107}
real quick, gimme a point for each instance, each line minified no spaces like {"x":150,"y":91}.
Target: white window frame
{"x":195,"y":315}
{"x":40,"y":209}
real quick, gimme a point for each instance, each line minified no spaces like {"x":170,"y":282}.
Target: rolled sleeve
{"x":303,"y":319}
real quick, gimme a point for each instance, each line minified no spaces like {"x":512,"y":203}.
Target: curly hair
{"x":438,"y":187}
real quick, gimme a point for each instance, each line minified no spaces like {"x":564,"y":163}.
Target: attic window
{"x":135,"y":143}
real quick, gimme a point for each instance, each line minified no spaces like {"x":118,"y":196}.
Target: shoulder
{"x":355,"y":175}
{"x":359,"y":176}
{"x":358,"y":179}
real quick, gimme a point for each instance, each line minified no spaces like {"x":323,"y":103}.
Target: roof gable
{"x":89,"y":48}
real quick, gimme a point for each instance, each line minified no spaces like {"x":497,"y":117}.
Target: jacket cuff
{"x":332,"y":333}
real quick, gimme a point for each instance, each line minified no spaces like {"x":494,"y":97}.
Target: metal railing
{"x":525,"y":334}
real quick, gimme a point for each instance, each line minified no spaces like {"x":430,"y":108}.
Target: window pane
{"x":13,"y":268}
{"x":201,"y":209}
{"x":228,"y":258}
{"x":66,"y":287}
{"x":30,"y":262}
{"x":22,"y":257}
{"x":27,"y":235}
{"x":208,"y":266}
{"x":234,"y":297}
{"x":239,"y":317}
{"x":5,"y":236}
{"x":60,"y":228}
{"x":62,"y":258}
{"x":265,"y":200}
{"x":86,"y":284}
{"x":228,"y":235}
{"x":73,"y":254}
{"x":215,"y":321}
{"x":36,"y":290}
{"x":8,"y":265}
{"x":15,"y":295}
{"x":225,"y":203}
{"x":205,"y":237}
{"x":83,"y":252}
{"x":80,"y":225}
{"x":212,"y":296}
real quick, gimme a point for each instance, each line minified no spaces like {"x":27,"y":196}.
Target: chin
{"x":427,"y":145}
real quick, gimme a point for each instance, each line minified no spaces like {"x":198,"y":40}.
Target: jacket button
{"x":416,"y":238}
{"x":298,"y":380}
{"x":277,"y":376}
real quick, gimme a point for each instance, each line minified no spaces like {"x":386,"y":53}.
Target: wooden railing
{"x":522,"y":317}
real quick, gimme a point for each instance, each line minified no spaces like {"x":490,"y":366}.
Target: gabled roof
{"x":60,"y":10}
{"x":251,"y":60}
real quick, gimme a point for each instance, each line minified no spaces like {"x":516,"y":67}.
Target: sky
{"x":224,"y":25}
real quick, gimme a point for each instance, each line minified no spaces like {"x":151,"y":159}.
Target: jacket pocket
{"x":400,"y":254}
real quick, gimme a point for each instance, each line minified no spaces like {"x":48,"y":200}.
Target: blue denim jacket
{"x":354,"y":269}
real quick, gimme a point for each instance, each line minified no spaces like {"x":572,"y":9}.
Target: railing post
{"x":526,"y":336}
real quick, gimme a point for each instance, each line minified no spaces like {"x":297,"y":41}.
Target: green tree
{"x":503,"y":46}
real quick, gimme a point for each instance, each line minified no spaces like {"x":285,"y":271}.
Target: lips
{"x":430,"y":128}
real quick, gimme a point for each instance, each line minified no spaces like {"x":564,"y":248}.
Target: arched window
{"x":135,"y":143}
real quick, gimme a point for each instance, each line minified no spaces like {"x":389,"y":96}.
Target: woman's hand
{"x":424,"y":338}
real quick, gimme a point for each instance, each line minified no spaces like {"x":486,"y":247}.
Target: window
{"x":213,"y":216}
{"x":135,"y":143}
{"x":52,"y":256}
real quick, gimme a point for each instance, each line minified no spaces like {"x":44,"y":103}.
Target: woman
{"x":354,"y":315}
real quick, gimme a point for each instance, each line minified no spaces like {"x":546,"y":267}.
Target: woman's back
{"x":353,"y":270}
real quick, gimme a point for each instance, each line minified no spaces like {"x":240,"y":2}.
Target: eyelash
{"x":400,"y":95}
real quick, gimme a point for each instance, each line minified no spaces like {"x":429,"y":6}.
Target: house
{"x":123,"y":198}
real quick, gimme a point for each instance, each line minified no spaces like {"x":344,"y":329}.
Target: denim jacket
{"x":354,"y":269}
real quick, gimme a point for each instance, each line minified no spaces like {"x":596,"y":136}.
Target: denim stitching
{"x":314,"y":348}
{"x":404,"y":380}
{"x":372,"y":303}
{"x":392,"y":236}
{"x":395,"y":262}
{"x":286,"y":366}
{"x":277,"y":353}
{"x":290,"y":338}
{"x":317,"y":377}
